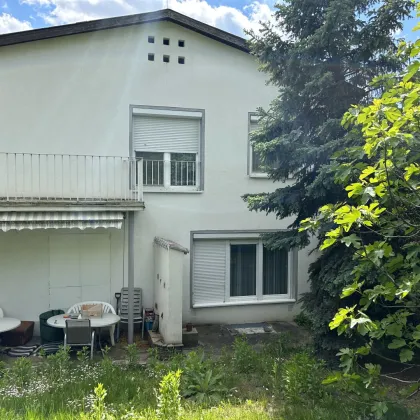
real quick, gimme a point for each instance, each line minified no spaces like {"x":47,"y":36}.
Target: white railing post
{"x":166,"y":170}
{"x":7,"y":176}
{"x":139,"y":179}
{"x":197,"y":173}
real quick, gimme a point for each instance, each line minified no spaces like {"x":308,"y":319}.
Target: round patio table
{"x":7,"y":324}
{"x":107,"y":320}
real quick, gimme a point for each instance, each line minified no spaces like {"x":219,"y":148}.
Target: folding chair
{"x":79,"y":334}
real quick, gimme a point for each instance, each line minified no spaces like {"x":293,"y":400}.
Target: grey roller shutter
{"x":165,"y":134}
{"x":209,"y":271}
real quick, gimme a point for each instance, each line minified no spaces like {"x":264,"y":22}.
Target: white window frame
{"x":173,"y":112}
{"x":246,"y":238}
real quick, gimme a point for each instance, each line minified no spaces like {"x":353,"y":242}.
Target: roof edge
{"x":123,"y":21}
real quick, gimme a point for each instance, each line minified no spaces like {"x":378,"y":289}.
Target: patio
{"x":212,"y":339}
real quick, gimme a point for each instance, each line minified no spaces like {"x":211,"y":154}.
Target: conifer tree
{"x":322,"y":55}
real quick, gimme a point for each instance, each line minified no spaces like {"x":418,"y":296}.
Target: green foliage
{"x":379,"y":222}
{"x":205,"y":387}
{"x":83,"y":355}
{"x":302,"y":376}
{"x":169,"y":400}
{"x":202,"y":380}
{"x":58,"y":364}
{"x":107,"y":365}
{"x":21,"y":372}
{"x":303,"y":320}
{"x":285,"y":384}
{"x":132,"y":355}
{"x":322,"y":55}
{"x":98,"y":410}
{"x":245,"y":358}
{"x":2,"y":368}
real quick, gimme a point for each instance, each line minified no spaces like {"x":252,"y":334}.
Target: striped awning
{"x":60,"y":220}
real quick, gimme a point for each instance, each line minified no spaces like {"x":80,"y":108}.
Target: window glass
{"x":257,"y":164}
{"x":243,"y":261}
{"x":275,"y":272}
{"x":152,"y":167}
{"x":183,"y":169}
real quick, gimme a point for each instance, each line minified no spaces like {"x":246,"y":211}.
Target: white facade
{"x":75,"y":94}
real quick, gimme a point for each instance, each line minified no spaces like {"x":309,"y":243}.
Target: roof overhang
{"x":167,"y":15}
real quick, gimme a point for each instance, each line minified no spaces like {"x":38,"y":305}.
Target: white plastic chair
{"x":1,"y":313}
{"x":107,"y":307}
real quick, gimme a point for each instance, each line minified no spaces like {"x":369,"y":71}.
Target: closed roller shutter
{"x":209,"y":271}
{"x":166,"y":134}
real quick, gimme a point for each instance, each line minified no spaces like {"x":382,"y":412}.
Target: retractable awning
{"x":60,"y":220}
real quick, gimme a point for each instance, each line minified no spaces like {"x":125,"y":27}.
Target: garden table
{"x":107,"y":320}
{"x":7,"y":324}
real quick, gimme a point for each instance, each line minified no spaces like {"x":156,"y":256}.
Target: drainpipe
{"x":130,"y":332}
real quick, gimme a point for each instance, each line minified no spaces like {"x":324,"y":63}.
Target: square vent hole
{"x":181,"y":60}
{"x":165,"y":41}
{"x":166,"y":58}
{"x":181,"y":43}
{"x":151,"y":39}
{"x":151,"y":57}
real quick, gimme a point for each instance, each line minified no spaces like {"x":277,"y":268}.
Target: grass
{"x":282,"y":381}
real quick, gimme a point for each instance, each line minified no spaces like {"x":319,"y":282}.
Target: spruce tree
{"x":322,"y":55}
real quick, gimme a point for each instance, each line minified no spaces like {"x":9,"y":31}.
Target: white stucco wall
{"x":72,"y":95}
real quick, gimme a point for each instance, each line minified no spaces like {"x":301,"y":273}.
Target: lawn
{"x":282,"y":380}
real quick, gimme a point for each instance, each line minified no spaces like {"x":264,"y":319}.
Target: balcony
{"x":61,"y":179}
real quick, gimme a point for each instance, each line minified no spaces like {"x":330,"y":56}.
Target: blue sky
{"x":230,"y":15}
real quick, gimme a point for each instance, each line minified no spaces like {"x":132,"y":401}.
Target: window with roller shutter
{"x":170,"y":145}
{"x":236,"y":268}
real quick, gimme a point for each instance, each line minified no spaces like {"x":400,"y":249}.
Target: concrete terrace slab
{"x":218,"y":336}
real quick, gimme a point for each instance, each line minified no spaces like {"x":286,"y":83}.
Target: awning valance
{"x":60,"y":220}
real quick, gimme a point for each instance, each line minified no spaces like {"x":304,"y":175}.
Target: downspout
{"x":130,"y":331}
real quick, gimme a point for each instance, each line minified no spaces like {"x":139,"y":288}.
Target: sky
{"x":230,"y":15}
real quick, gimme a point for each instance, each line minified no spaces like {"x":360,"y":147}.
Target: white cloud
{"x":9,"y":23}
{"x":57,"y":12}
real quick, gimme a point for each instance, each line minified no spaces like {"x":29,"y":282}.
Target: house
{"x":124,"y":138}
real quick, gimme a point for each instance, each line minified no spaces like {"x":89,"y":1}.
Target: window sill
{"x":188,"y":190}
{"x":243,"y":303}
{"x":260,"y":175}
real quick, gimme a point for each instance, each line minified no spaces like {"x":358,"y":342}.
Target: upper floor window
{"x":170,"y":143}
{"x":257,"y":166}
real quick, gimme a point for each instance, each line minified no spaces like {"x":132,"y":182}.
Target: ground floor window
{"x":229,"y":270}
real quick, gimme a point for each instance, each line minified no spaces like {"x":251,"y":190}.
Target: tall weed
{"x":169,"y":399}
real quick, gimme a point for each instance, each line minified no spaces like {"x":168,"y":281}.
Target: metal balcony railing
{"x":29,"y":177}
{"x":170,"y":173}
